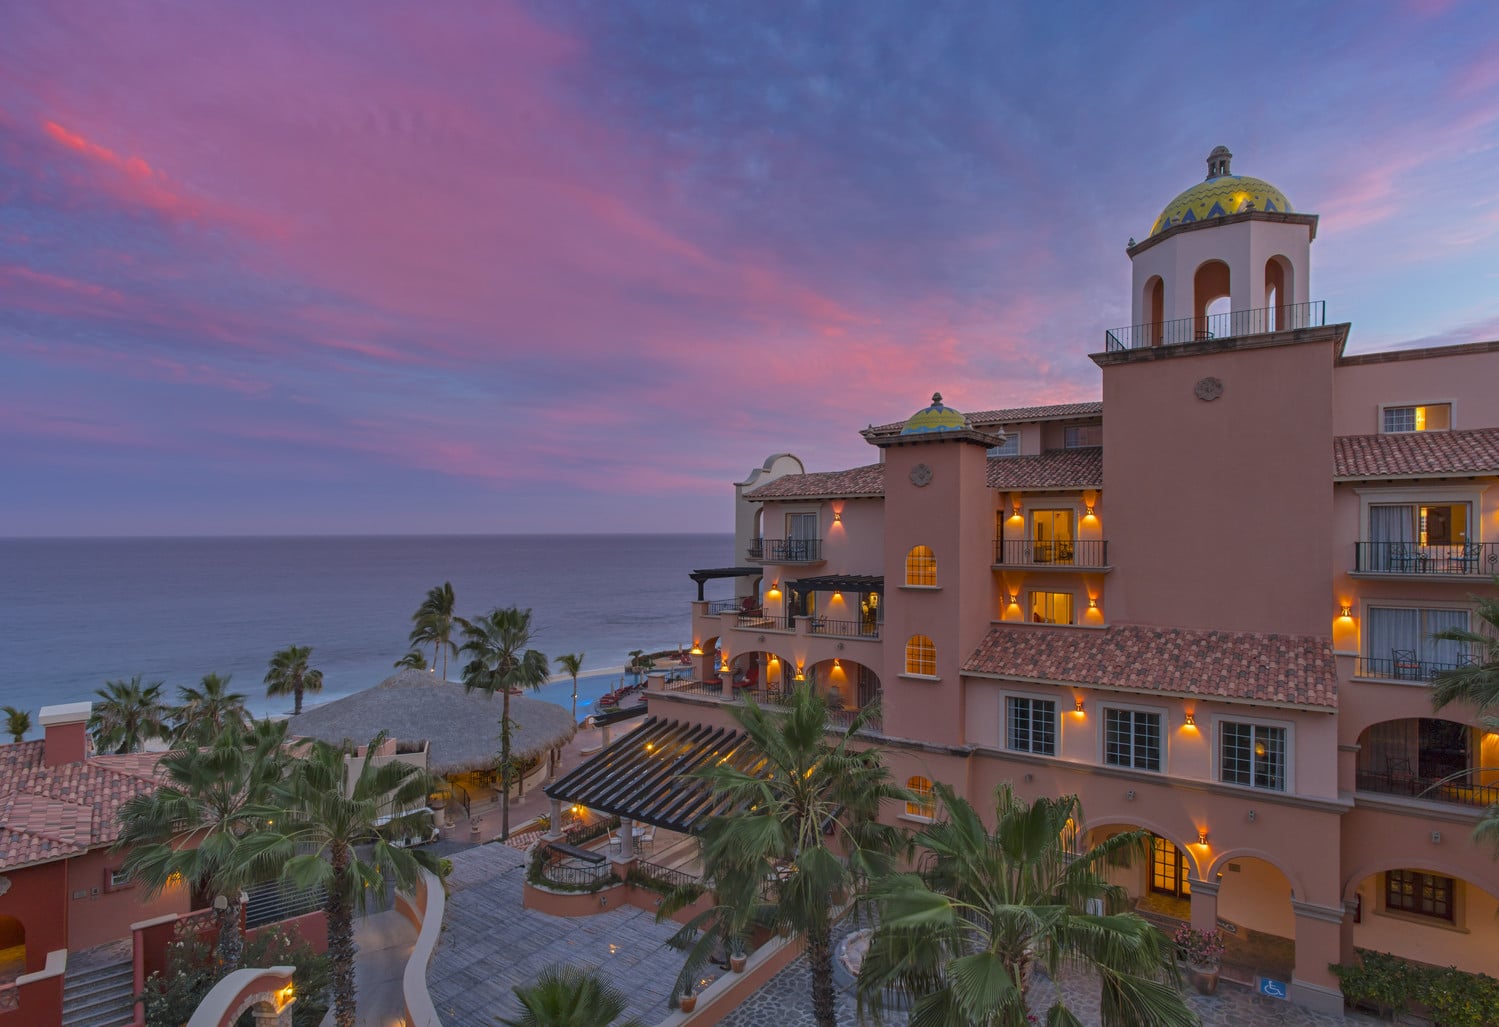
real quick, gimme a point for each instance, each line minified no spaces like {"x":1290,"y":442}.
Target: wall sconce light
{"x":1202,"y":838}
{"x":837,"y":517}
{"x":1251,"y":815}
{"x":1078,"y":707}
{"x":724,"y":667}
{"x":1191,"y":720}
{"x":697,"y":648}
{"x":837,"y":662}
{"x":1345,"y":611}
{"x":1092,"y":603}
{"x":837,"y":595}
{"x":1014,"y":598}
{"x":1130,"y":795}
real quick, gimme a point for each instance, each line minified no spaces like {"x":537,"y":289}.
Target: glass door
{"x":1052,"y":536}
{"x":1168,"y":869}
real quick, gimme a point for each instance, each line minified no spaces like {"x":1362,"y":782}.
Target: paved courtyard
{"x":489,"y":944}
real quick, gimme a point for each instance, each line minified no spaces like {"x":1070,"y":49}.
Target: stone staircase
{"x":99,"y":995}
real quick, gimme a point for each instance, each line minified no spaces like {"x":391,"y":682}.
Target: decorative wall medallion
{"x":921,"y":475}
{"x":1208,"y":389}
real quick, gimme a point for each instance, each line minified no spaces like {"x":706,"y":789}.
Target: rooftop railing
{"x":1224,"y":325}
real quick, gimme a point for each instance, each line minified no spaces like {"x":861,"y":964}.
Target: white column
{"x":626,"y":838}
{"x":555,"y":830}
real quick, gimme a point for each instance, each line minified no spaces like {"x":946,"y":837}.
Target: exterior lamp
{"x":1345,"y":611}
{"x":837,"y":517}
{"x":1202,"y":838}
{"x":1079,"y":708}
{"x":1092,"y":603}
{"x":1191,"y":720}
{"x":697,"y":649}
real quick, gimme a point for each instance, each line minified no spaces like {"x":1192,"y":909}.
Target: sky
{"x":367,"y":267}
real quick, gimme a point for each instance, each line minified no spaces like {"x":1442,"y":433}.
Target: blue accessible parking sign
{"x":1272,"y":987}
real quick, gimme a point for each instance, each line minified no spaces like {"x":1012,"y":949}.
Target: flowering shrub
{"x":1199,"y":948}
{"x":193,"y":969}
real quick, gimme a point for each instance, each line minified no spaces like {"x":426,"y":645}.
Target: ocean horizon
{"x":78,"y":611}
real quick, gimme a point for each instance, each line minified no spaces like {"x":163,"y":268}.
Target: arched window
{"x":921,"y":566}
{"x":920,"y":803}
{"x":921,"y":656}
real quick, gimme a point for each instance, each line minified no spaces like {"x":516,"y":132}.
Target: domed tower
{"x":1230,"y":237}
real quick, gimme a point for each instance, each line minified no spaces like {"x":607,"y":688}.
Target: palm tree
{"x":572,"y":663}
{"x":569,"y":997}
{"x":502,"y":661}
{"x":434,"y":622}
{"x":809,"y":801}
{"x":414,"y":660}
{"x":319,"y":839}
{"x":18,"y":722}
{"x":204,"y":712}
{"x":1475,"y":683}
{"x":290,"y":675}
{"x":962,"y":937}
{"x":194,"y":825}
{"x":128,"y":715}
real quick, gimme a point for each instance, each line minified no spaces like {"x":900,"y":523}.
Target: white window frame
{"x":1067,"y":429}
{"x":1056,"y":722}
{"x":1011,"y":445}
{"x":931,"y":803}
{"x":1288,"y":772}
{"x":1450,"y":404}
{"x":1164,"y":730}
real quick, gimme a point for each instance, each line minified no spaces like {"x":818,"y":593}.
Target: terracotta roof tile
{"x":1014,"y":415}
{"x":47,"y":813}
{"x":868,"y":480}
{"x":1286,"y":670}
{"x":1054,"y":469}
{"x":1414,"y":454}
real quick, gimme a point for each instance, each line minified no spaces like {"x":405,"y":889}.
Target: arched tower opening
{"x":1153,"y":303}
{"x":1280,"y":293}
{"x":1210,"y":294}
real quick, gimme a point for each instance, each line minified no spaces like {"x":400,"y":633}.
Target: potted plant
{"x":688,"y":1002}
{"x":1202,"y":951}
{"x":737,"y":956}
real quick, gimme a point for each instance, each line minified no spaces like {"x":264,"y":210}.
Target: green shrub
{"x":172,"y":996}
{"x":1454,"y":997}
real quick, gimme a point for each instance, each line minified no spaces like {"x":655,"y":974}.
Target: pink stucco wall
{"x":1460,"y":375}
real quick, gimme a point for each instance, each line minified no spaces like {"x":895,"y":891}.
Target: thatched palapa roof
{"x":462,"y":729}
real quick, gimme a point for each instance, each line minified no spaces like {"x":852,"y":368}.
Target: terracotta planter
{"x":1204,"y":978}
{"x":736,"y":963}
{"x":687,"y":1003}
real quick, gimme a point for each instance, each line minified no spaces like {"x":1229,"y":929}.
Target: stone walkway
{"x":490,"y":943}
{"x":786,"y":1002}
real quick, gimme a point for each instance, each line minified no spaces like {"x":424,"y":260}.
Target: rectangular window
{"x":1411,"y":891}
{"x":1401,"y":642}
{"x":1431,"y":417}
{"x":1010,"y":446}
{"x":1032,"y":725}
{"x":119,"y":879}
{"x":1132,"y":739}
{"x":1081,"y":435}
{"x":1051,"y":607}
{"x":1051,"y":536}
{"x":1253,"y":755}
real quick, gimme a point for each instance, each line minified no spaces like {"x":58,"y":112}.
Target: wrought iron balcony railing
{"x":1460,"y":559}
{"x":1403,"y":668}
{"x":1464,"y":788}
{"x":1217,"y":326}
{"x":785,"y":550}
{"x":843,"y":628}
{"x":1093,"y":552}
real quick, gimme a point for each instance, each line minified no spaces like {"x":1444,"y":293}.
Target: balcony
{"x":785,"y":550}
{"x":1403,"y":668}
{"x":1226,"y":325}
{"x":1409,"y":560}
{"x":1463,"y":788}
{"x":843,"y":628}
{"x":837,"y":719}
{"x":1079,"y":554}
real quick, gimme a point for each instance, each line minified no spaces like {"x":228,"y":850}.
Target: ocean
{"x":77,"y":612}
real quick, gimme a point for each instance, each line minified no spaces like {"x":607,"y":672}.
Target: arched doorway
{"x":1159,"y":881}
{"x":1431,"y":759}
{"x":1210,"y":298}
{"x":847,"y":685}
{"x":1257,"y":919}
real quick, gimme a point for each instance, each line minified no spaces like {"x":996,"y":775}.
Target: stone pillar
{"x":1319,"y":931}
{"x":1205,"y":905}
{"x":626,"y":839}
{"x":1345,"y":934}
{"x":606,"y":734}
{"x":555,"y":830}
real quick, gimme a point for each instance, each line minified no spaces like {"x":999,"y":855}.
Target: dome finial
{"x":936,"y":399}
{"x":1218,"y":162}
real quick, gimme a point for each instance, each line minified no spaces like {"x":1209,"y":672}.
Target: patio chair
{"x":1405,"y":663}
{"x":615,"y":844}
{"x":648,"y":838}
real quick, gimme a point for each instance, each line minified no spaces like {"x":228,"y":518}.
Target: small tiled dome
{"x":934,"y":418}
{"x":1222,"y":194}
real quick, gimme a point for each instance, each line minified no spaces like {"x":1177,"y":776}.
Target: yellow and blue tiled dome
{"x":934,"y":418}
{"x":1222,"y":194}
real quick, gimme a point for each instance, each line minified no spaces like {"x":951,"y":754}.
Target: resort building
{"x":62,"y":894}
{"x":1205,"y":604}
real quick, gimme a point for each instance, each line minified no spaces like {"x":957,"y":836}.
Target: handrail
{"x":785,"y":550}
{"x":1226,"y":324}
{"x":1463,"y":559}
{"x":1088,"y":552}
{"x":1400,"y":669}
{"x":843,"y":628}
{"x":1446,"y":789}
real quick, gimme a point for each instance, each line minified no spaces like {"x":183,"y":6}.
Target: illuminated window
{"x":921,"y":656}
{"x":1051,"y":607}
{"x":921,"y":566}
{"x":1253,"y":755}
{"x":1051,"y":536}
{"x":1432,"y":417}
{"x":1168,"y":868}
{"x":1411,"y":891}
{"x":921,"y":804}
